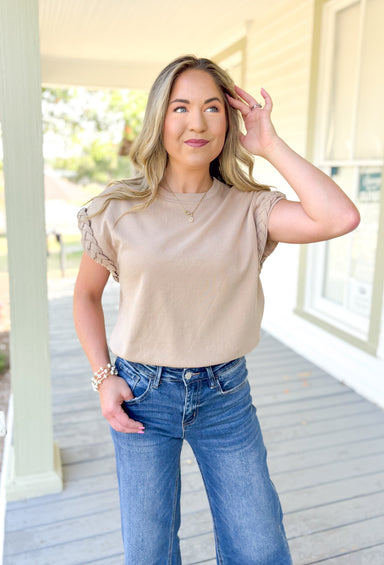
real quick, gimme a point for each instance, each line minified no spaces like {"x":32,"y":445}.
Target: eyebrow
{"x":188,"y":102}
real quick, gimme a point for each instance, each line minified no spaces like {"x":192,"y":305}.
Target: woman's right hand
{"x":113,"y":391}
{"x":89,"y":322}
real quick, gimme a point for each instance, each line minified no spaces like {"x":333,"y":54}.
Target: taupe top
{"x":190,"y":293}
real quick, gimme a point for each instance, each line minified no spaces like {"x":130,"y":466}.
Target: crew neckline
{"x":188,"y":196}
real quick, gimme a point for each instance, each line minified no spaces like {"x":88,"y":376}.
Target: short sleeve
{"x":264,"y":202}
{"x":95,"y":242}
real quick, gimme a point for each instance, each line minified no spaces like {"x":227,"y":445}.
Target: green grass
{"x":72,"y":261}
{"x":3,"y":362}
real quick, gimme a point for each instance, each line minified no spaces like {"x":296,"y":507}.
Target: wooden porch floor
{"x":326,"y":456}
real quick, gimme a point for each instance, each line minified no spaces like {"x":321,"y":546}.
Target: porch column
{"x":34,"y":464}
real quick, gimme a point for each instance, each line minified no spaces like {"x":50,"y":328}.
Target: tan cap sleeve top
{"x":190,"y":293}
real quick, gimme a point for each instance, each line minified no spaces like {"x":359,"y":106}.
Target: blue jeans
{"x":210,"y":407}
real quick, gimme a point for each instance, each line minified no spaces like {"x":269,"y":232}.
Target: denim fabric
{"x":210,"y":407}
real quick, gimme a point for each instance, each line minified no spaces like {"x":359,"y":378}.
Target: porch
{"x":326,"y":456}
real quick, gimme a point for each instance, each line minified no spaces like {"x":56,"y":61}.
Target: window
{"x":349,"y":145}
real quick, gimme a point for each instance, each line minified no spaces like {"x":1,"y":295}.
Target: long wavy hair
{"x":233,"y":166}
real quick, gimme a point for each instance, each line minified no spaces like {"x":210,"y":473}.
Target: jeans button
{"x":188,"y":375}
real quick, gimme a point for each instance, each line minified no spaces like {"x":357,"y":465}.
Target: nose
{"x":197,"y":120}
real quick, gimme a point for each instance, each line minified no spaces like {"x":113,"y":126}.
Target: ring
{"x":256,"y":106}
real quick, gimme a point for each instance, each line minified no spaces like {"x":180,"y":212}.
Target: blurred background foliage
{"x":88,"y":133}
{"x":87,"y":138}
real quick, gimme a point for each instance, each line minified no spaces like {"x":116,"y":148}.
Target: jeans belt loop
{"x":211,"y":376}
{"x":156,"y":382}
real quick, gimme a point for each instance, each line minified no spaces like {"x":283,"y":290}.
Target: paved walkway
{"x":326,"y":456}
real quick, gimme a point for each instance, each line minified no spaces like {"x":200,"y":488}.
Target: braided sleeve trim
{"x":265,"y":246}
{"x":91,"y":246}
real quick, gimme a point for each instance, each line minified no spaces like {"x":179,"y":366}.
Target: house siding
{"x":280,"y":58}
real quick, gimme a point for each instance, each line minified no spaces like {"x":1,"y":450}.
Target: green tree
{"x":132,"y":107}
{"x":98,"y":162}
{"x":95,"y":130}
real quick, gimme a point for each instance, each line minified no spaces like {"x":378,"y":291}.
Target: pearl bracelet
{"x":102,"y":374}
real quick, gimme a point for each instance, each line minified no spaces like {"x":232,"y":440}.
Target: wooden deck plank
{"x":319,"y":495}
{"x":325,"y":450}
{"x":334,"y":515}
{"x":197,"y":549}
{"x":339,"y":437}
{"x":330,"y":543}
{"x":111,"y":560}
{"x":308,"y":460}
{"x":70,"y":553}
{"x":369,"y":556}
{"x":307,"y":428}
{"x":316,"y":403}
{"x":63,"y":532}
{"x":322,"y":414}
{"x":78,"y":507}
{"x":117,"y":559}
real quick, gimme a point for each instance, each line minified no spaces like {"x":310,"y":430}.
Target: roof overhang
{"x":125,"y":43}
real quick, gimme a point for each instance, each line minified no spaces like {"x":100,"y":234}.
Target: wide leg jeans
{"x":211,"y":408}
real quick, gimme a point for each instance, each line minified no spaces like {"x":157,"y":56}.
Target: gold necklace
{"x":189,"y":213}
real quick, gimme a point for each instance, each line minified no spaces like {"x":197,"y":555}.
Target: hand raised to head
{"x":260,"y":132}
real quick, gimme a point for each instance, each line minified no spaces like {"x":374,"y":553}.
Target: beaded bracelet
{"x":102,"y":374}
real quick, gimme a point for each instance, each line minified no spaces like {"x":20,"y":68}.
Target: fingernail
{"x":141,"y":427}
{"x":140,"y":431}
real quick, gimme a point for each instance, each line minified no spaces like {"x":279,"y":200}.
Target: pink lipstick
{"x":196,"y":142}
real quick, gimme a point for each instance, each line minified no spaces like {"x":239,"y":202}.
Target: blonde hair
{"x":233,"y":166}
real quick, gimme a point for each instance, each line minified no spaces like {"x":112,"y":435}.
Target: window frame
{"x":363,"y":334}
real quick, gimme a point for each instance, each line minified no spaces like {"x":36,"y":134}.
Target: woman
{"x":186,"y":238}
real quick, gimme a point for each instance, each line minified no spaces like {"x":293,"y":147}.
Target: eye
{"x":180,"y":109}
{"x":212,"y":109}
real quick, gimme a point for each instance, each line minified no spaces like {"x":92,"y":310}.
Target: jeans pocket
{"x":139,"y":383}
{"x":233,"y":378}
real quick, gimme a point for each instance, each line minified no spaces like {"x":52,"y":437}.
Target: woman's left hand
{"x":261,"y":134}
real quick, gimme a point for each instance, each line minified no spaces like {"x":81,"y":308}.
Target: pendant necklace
{"x":189,"y":213}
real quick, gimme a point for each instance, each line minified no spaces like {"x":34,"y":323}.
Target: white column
{"x":34,"y":463}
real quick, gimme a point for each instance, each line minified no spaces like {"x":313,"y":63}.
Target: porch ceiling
{"x":124,"y":43}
